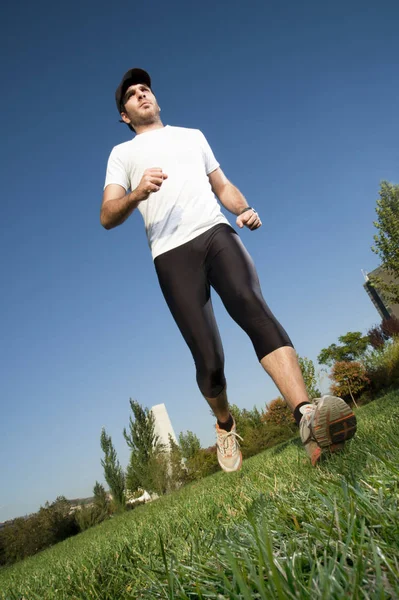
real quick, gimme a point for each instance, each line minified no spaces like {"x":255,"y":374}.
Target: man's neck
{"x":149,"y":127}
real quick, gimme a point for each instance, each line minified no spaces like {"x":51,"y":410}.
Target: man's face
{"x":141,"y":106}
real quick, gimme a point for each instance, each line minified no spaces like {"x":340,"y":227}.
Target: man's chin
{"x":149,"y":119}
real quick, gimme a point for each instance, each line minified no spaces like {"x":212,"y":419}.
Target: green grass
{"x":277,"y":529}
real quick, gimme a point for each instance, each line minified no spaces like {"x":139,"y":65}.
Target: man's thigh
{"x":232,"y":273}
{"x":186,"y":289}
{"x":231,"y":270}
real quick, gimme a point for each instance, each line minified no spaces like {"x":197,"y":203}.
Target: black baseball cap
{"x":130,"y":78}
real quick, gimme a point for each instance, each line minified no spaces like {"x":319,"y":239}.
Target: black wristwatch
{"x":248,"y":208}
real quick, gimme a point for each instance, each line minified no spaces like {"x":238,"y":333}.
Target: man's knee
{"x":211,"y":380}
{"x":249,"y":301}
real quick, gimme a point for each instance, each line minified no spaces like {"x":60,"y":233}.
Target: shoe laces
{"x":227,"y":441}
{"x":307,"y":416}
{"x":308,"y":410}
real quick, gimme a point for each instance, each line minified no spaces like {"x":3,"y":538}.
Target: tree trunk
{"x":350,"y":391}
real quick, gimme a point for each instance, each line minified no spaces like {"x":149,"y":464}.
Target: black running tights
{"x":216,"y":258}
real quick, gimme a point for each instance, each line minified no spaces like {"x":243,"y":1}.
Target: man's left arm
{"x":233,"y":200}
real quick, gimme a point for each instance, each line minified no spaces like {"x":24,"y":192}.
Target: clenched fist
{"x":151,"y":182}
{"x":250,"y":219}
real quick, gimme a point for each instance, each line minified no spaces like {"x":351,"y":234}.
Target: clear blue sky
{"x":299,"y":102}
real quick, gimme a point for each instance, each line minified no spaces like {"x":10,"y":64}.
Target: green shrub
{"x":2,"y":548}
{"x":382,"y":366}
{"x":365,"y":398}
{"x":88,"y":516}
{"x":265,"y":436}
{"x":277,"y":412}
{"x":349,"y":380}
{"x":203,"y":463}
{"x":26,"y":536}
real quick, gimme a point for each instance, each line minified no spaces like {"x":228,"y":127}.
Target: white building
{"x":163,"y":425}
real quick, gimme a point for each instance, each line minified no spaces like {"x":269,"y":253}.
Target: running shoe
{"x":326,"y":425}
{"x":228,"y":449}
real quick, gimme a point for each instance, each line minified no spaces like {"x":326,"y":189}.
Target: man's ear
{"x":125,"y":118}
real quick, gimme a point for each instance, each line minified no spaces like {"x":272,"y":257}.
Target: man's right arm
{"x":117,"y":206}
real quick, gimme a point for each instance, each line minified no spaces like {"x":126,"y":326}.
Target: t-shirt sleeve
{"x":116,"y":171}
{"x":211,"y":164}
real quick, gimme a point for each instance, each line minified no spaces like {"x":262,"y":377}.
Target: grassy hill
{"x":277,"y":529}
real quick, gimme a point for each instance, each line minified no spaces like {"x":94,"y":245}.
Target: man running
{"x":172,"y":177}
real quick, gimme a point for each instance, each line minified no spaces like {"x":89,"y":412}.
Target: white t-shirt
{"x":185,"y":206}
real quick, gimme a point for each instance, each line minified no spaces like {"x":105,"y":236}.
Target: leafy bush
{"x":390,"y":327}
{"x":177,"y":469}
{"x":353,"y":347}
{"x":95,"y":513}
{"x":277,"y":412}
{"x":365,"y":398}
{"x":203,"y":463}
{"x":113,"y":472}
{"x":379,"y":334}
{"x":189,"y":444}
{"x":376,"y":337}
{"x":261,"y":430}
{"x":157,"y":474}
{"x":265,"y":436}
{"x":88,"y":516}
{"x":26,"y":536}
{"x":349,"y":379}
{"x":245,"y":419}
{"x":382,"y":367}
{"x":309,"y":376}
{"x":145,"y":450}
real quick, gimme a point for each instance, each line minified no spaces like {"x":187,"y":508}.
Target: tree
{"x":353,"y":347}
{"x":382,"y":368}
{"x":18,"y":541}
{"x":390,"y":327}
{"x":277,"y":412}
{"x":387,"y":240}
{"x":189,"y":444}
{"x":95,"y":513}
{"x":24,"y":537}
{"x":309,"y":376}
{"x":143,"y":443}
{"x":203,"y":463}
{"x":58,"y":519}
{"x":376,"y":337}
{"x":177,"y":470}
{"x":261,"y":430}
{"x":166,"y":471}
{"x":157,"y":474}
{"x":246,"y":419}
{"x":101,"y":501}
{"x":267,"y":435}
{"x":379,"y":334}
{"x":113,"y":471}
{"x":349,"y":379}
{"x":100,"y":495}
{"x":3,"y":559}
{"x":252,"y":418}
{"x":199,"y":462}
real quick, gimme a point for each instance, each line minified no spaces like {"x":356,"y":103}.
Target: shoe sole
{"x":336,"y":424}
{"x":227,"y":470}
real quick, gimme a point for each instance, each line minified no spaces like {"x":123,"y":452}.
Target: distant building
{"x":163,"y":425}
{"x":385,"y":309}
